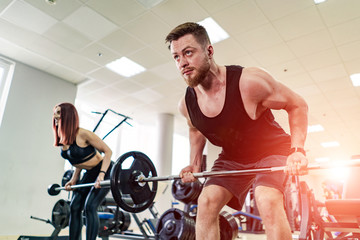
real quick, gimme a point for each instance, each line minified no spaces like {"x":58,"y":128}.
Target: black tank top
{"x":242,"y":139}
{"x":77,"y":155}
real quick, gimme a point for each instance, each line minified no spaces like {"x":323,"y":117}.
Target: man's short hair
{"x":195,"y":29}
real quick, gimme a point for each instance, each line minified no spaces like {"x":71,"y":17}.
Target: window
{"x":6,"y":74}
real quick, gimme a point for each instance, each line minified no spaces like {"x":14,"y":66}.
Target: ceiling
{"x":313,"y":49}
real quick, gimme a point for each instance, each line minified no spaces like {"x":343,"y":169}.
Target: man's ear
{"x":210,"y":51}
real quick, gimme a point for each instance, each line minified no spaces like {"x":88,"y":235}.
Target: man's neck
{"x":214,"y":80}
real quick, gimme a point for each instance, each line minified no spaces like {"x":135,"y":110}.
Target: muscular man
{"x":231,"y":107}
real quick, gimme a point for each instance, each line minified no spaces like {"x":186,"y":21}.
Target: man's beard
{"x":199,"y":77}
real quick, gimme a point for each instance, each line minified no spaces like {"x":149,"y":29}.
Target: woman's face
{"x":57,"y":113}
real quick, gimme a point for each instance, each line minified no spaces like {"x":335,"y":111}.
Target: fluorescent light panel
{"x":319,"y":1}
{"x":215,"y":32}
{"x":315,"y":128}
{"x":150,"y":3}
{"x":355,"y":78}
{"x":330,"y":144}
{"x":125,"y":67}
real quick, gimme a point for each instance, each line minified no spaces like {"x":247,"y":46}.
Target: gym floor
{"x":248,"y":236}
{"x":242,"y":236}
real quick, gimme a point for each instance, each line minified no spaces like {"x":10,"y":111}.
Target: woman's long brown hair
{"x":68,"y":125}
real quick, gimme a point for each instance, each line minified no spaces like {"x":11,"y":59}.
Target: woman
{"x":82,"y":149}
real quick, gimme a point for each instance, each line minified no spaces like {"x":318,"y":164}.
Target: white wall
{"x":29,"y":162}
{"x":212,"y":153}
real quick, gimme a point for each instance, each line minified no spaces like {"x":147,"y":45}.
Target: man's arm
{"x":260,"y":91}
{"x":197,"y":144}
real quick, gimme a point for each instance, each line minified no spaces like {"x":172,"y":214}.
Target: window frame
{"x":8,"y":68}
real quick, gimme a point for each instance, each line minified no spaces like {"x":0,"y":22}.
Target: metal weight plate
{"x":228,"y":226}
{"x":130,"y":195}
{"x":310,"y":227}
{"x":66,"y":177}
{"x":122,"y":217}
{"x":61,"y":214}
{"x":186,"y":192}
{"x":125,"y":220}
{"x":293,"y":202}
{"x":52,"y":189}
{"x":175,"y":224}
{"x":119,"y":222}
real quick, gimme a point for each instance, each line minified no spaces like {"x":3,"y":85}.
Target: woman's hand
{"x":69,"y":184}
{"x":99,"y":179}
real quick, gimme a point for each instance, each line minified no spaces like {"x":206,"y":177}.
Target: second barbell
{"x":134,"y":181}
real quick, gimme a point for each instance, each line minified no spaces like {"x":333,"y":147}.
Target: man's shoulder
{"x":250,"y":74}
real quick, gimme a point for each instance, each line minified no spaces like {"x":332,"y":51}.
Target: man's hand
{"x":296,"y":164}
{"x":186,"y":173}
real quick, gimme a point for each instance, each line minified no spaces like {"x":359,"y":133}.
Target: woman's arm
{"x":93,"y":140}
{"x":74,"y":179}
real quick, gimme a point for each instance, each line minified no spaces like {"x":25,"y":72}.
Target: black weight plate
{"x":52,"y":189}
{"x":61,"y":214}
{"x":228,"y":226}
{"x":120,"y":222}
{"x":125,"y":220}
{"x":186,"y":192}
{"x":130,"y":195}
{"x":175,"y":224}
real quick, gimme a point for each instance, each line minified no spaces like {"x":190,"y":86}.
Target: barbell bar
{"x":55,"y":188}
{"x":141,"y":178}
{"x":133,"y":183}
{"x":206,"y":174}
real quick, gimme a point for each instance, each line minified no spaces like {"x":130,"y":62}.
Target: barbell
{"x":133,"y":179}
{"x":128,"y":194}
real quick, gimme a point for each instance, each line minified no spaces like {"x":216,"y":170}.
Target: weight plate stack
{"x":125,"y":219}
{"x":118,"y":223}
{"x":186,"y":192}
{"x":175,"y":224}
{"x":228,"y":226}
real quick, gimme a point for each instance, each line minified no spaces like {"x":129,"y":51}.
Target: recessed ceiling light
{"x":149,"y":3}
{"x":355,"y":78}
{"x":125,"y":67}
{"x":215,"y":32}
{"x":330,"y":144}
{"x":315,"y":128}
{"x":319,"y":1}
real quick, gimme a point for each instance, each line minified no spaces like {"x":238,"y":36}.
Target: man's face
{"x":191,"y":59}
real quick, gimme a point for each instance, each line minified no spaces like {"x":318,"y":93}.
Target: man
{"x":230,"y":106}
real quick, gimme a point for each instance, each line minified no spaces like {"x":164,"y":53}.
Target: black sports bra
{"x":77,"y":155}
